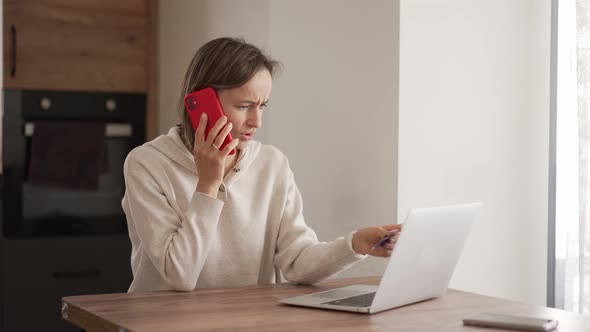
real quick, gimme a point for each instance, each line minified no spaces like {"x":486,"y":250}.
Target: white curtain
{"x":572,"y":159}
{"x":572,"y":254}
{"x":583,"y":88}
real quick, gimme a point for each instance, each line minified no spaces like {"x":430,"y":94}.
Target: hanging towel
{"x":68,"y":155}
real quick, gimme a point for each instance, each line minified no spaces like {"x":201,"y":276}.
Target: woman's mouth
{"x":246,"y":136}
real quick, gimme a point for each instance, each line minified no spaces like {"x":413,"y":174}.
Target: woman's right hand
{"x":210,"y":161}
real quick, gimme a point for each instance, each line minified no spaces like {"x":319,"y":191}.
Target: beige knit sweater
{"x":183,"y":239}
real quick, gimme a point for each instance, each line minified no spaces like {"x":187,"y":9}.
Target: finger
{"x":395,"y":237}
{"x":380,"y":246}
{"x":390,"y":243}
{"x":215,"y":130}
{"x":392,"y":240}
{"x":389,"y":234}
{"x":223,"y":134}
{"x":234,"y":142}
{"x":382,"y":252}
{"x":200,"y":133}
{"x":391,"y":227}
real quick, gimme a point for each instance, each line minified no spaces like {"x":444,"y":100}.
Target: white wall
{"x":334,"y":111}
{"x":473,"y":115}
{"x":474,"y":119}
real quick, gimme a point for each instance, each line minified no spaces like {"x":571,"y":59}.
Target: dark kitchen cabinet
{"x":40,"y":271}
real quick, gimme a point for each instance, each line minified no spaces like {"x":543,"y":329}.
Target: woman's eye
{"x":243,"y":108}
{"x":263,"y":106}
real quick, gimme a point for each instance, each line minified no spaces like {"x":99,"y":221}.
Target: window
{"x":572,"y":140}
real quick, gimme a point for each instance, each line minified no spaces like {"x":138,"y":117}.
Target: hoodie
{"x":183,"y":239}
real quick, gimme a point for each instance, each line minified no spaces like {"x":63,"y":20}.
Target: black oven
{"x":62,"y":225}
{"x":31,"y":205}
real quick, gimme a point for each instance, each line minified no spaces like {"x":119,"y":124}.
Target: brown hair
{"x":222,"y":63}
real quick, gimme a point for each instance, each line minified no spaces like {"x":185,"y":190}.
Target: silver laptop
{"x":419,"y":268}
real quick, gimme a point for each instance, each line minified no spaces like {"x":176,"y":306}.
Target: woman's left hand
{"x":364,"y":239}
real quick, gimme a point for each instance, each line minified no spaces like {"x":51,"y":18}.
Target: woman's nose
{"x":256,"y":118}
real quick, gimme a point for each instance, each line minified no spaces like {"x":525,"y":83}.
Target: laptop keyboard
{"x":363,"y":300}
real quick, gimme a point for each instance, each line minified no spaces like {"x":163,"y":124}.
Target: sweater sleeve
{"x":177,"y":244}
{"x":300,"y":256}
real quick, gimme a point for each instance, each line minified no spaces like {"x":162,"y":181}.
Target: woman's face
{"x":243,"y":106}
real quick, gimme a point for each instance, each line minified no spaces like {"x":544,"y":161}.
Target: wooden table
{"x":255,"y":308}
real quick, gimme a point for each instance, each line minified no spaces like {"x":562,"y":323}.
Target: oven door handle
{"x":111,"y":129}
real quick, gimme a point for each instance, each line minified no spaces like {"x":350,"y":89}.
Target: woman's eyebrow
{"x":252,"y":102}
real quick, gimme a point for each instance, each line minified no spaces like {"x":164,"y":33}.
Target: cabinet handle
{"x":77,"y":274}
{"x":13,"y":67}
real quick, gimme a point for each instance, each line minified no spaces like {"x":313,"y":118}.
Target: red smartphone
{"x":205,"y":100}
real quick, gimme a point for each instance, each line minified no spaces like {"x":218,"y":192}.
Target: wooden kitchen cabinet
{"x":90,"y":45}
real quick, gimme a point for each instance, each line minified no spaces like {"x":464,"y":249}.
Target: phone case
{"x":205,"y":100}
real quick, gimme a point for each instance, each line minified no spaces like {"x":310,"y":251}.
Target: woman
{"x":201,"y":217}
